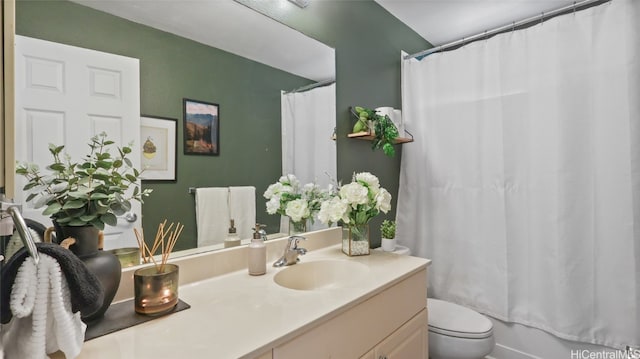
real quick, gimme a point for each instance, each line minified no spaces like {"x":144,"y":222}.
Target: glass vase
{"x":297,"y":227}
{"x":355,"y":240}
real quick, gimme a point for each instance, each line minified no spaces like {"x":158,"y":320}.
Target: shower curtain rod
{"x":312,"y":86}
{"x":577,"y":5}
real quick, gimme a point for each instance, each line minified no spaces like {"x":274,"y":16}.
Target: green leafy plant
{"x":90,"y":192}
{"x":383,"y":129}
{"x":388,"y":229}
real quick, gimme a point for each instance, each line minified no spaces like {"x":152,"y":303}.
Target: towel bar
{"x":193,"y":190}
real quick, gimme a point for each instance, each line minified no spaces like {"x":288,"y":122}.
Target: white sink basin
{"x":323,"y":274}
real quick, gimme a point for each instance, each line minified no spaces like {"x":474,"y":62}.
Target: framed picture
{"x":201,"y":128}
{"x":158,"y":139}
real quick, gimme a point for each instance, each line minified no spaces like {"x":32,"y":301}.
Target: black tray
{"x":121,"y":316}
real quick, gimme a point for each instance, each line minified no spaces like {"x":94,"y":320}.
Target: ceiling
{"x":230,"y":26}
{"x":243,"y":31}
{"x":444,"y":21}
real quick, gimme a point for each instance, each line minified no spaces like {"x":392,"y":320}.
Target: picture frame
{"x":158,"y":147}
{"x":201,"y":128}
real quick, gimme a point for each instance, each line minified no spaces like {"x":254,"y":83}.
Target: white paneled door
{"x":65,"y":95}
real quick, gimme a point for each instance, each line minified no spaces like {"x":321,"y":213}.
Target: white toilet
{"x":456,"y":332}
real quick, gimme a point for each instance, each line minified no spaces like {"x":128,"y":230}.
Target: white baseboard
{"x":504,"y":352}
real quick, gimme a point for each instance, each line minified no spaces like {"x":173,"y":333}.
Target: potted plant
{"x":382,"y":129}
{"x":82,"y":197}
{"x":92,"y":192}
{"x":354,"y":205}
{"x":388,"y":231}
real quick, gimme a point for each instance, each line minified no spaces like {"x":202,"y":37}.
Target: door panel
{"x":65,"y":95}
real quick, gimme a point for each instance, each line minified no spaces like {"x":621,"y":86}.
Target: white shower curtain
{"x":523,"y":184}
{"x":308,"y":150}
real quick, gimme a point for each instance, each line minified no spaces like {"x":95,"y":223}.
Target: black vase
{"x":104,"y":265}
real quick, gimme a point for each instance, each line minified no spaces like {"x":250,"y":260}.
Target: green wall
{"x":173,"y":68}
{"x":368,"y":41}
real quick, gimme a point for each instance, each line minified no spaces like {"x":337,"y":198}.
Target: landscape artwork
{"x":201,"y":127}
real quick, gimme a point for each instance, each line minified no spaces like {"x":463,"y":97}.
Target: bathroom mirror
{"x":240,"y":62}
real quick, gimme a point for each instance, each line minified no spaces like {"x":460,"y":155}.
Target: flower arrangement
{"x":357,"y":202}
{"x":354,"y":204}
{"x":90,"y":192}
{"x":300,"y":203}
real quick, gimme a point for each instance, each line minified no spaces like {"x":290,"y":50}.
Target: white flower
{"x":309,"y":188}
{"x":370,"y":180}
{"x":354,"y":193}
{"x":290,"y":180}
{"x":334,"y":210}
{"x":273,"y":190}
{"x":356,"y":202}
{"x":383,"y":201}
{"x":297,"y":210}
{"x":286,"y":189}
{"x":273,"y":205}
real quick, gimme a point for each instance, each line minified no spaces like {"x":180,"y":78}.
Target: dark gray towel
{"x":87,"y":294}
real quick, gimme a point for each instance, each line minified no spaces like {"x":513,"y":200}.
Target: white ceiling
{"x":235,"y":28}
{"x":230,"y":26}
{"x":444,"y":21}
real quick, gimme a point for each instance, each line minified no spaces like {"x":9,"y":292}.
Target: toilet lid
{"x":457,"y":321}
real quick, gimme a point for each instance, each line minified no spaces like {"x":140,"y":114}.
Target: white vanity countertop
{"x":240,"y":316}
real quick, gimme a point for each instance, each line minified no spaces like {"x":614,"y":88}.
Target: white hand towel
{"x":212,"y":215}
{"x":42,"y":318}
{"x":242,"y":208}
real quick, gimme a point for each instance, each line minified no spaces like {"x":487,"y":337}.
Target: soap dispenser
{"x":257,"y":253}
{"x":232,"y":239}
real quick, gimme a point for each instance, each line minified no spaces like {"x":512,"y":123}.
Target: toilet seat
{"x":454,"y":320}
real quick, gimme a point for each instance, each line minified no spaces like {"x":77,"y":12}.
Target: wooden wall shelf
{"x":367,"y":136}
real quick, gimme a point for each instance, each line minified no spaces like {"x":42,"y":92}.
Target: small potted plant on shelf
{"x":382,"y":129}
{"x":388,"y":230}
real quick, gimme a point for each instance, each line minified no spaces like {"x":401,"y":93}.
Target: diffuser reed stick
{"x":164,"y":240}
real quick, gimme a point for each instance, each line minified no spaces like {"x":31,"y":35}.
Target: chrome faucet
{"x":263,"y":234}
{"x":291,"y":252}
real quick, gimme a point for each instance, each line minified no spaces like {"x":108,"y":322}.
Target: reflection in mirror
{"x":214,"y":51}
{"x":312,"y":158}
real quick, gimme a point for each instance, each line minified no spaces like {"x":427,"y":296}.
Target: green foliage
{"x":385,"y":132}
{"x":388,"y":229}
{"x":91,"y":192}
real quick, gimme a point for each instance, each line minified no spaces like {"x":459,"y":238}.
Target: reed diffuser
{"x":156,"y":286}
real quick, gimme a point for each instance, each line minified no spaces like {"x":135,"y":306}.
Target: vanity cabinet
{"x":391,"y":324}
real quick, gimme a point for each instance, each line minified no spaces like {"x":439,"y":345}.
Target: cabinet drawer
{"x":408,"y":342}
